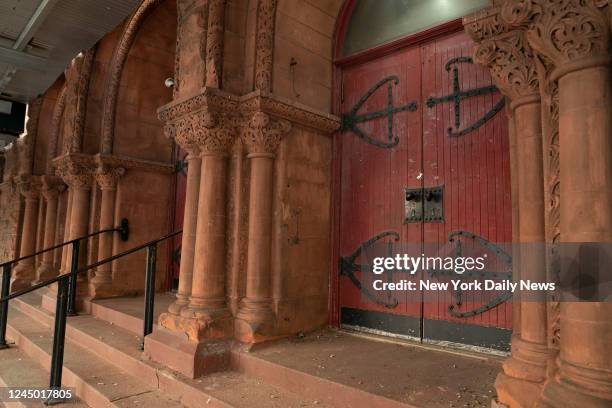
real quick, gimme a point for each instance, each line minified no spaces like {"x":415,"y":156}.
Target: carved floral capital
{"x":107,"y":177}
{"x":51,"y":187}
{"x":564,"y":31}
{"x":76,"y":170}
{"x":262,"y":133}
{"x":511,"y":63}
{"x":28,"y":186}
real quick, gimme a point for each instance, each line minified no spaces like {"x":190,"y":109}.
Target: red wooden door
{"x":455,"y":140}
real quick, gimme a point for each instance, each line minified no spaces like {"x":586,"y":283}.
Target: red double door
{"x":425,"y":120}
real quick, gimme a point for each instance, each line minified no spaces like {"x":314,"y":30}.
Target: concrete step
{"x":20,"y":371}
{"x":118,"y":347}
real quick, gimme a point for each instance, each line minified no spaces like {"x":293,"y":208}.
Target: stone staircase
{"x":104,"y":365}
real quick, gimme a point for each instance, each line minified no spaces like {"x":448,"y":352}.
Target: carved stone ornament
{"x":75,"y":169}
{"x":107,"y":177}
{"x":264,"y":44}
{"x":28,"y":140}
{"x":51,"y":187}
{"x":128,"y":163}
{"x":56,"y":121}
{"x":213,"y":132}
{"x":263,"y":133}
{"x":485,"y":24}
{"x":214,"y":42}
{"x":510,"y":61}
{"x":77,"y":76}
{"x":563,"y":30}
{"x":29,"y":186}
{"x":209,"y":98}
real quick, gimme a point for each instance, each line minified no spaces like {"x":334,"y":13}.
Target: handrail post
{"x":72,"y":280}
{"x":6,"y":282}
{"x":149,"y":292}
{"x":59,"y":335}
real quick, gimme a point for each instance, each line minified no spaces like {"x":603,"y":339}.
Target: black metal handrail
{"x":65,"y":296}
{"x":123,"y":229}
{"x":124,"y":232}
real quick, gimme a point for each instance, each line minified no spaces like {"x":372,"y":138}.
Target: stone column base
{"x":178,"y":305}
{"x":22,"y":276}
{"x":45,"y":272}
{"x":102,"y":290}
{"x":528,"y":361}
{"x":517,"y":393}
{"x":191,"y":358}
{"x":20,"y":284}
{"x":578,"y":387}
{"x":521,"y":382}
{"x":255,"y":326}
{"x":199,"y":329}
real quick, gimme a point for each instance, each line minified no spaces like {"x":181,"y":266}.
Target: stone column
{"x":190,"y":220}
{"x":207,"y":313}
{"x":510,"y":60}
{"x":107,"y":178}
{"x":582,"y":68}
{"x":76,"y":171}
{"x":24,"y":273}
{"x":50,"y":191}
{"x":255,"y":318}
{"x":574,"y":38}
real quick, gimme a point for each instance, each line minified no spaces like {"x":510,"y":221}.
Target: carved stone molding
{"x":131,"y":163}
{"x":76,"y":170}
{"x":214,"y":42}
{"x":77,"y":76}
{"x":207,"y":98}
{"x":28,"y":140}
{"x":56,"y":120}
{"x":264,"y":44}
{"x":117,"y":63}
{"x":485,"y":24}
{"x":549,"y":90}
{"x":565,"y":31}
{"x":293,"y":112}
{"x":262,"y":134}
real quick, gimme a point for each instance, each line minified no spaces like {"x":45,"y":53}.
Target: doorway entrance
{"x":424,"y":161}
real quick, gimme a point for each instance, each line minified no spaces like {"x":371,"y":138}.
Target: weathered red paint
{"x":370,"y":181}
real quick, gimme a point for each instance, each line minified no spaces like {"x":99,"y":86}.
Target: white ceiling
{"x":38,"y":38}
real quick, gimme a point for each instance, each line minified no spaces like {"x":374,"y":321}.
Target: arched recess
{"x":117,"y":64}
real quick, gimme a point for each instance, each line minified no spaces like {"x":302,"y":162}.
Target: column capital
{"x":262,"y":133}
{"x":29,"y":186}
{"x":572,"y":34}
{"x":212,"y":132}
{"x":76,"y":170}
{"x":107,"y":176}
{"x":51,"y":187}
{"x":511,"y":63}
